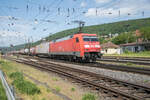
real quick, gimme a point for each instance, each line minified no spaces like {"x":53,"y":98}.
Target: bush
{"x":26,"y":87}
{"x":89,"y":97}
{"x":16,"y":75}
{"x":22,"y":85}
{"x":72,"y":89}
{"x":2,"y":62}
{"x":128,"y":52}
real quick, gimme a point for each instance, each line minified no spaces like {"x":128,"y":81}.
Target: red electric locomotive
{"x":81,"y":47}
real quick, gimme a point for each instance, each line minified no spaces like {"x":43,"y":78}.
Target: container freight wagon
{"x":42,"y":49}
{"x":82,"y":47}
{"x":32,"y":50}
{"x":21,"y":51}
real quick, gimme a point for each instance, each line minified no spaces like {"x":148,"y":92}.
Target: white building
{"x":110,"y":48}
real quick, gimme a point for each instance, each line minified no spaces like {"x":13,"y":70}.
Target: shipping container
{"x":42,"y":48}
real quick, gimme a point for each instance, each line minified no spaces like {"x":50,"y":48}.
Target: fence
{"x":9,"y":93}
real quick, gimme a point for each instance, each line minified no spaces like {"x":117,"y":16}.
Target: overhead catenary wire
{"x":50,"y":13}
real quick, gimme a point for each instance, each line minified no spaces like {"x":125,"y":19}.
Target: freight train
{"x":77,"y":47}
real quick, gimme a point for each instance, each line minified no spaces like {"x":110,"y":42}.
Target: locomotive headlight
{"x":86,"y":46}
{"x":97,"y":46}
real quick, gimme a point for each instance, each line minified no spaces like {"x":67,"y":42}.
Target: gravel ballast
{"x":126,"y":76}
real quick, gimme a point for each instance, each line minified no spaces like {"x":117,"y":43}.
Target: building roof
{"x":109,"y":45}
{"x":137,"y":33}
{"x":135,"y":43}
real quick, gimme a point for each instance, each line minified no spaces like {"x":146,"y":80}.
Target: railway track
{"x":134,"y":60}
{"x":138,"y":70}
{"x":112,"y":87}
{"x":128,"y":58}
{"x":126,"y":61}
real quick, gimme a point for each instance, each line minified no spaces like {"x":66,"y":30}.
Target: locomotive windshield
{"x":90,"y":38}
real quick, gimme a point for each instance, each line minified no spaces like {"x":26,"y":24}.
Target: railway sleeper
{"x":81,"y":80}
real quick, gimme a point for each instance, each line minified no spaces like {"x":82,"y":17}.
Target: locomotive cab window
{"x":90,"y":38}
{"x":77,"y":39}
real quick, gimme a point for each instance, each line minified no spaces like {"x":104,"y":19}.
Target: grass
{"x":2,"y":92}
{"x":89,"y":96}
{"x":16,"y":75}
{"x":63,"y":86}
{"x":57,"y":89}
{"x":10,"y":68}
{"x":18,"y":80}
{"x":72,"y":89}
{"x":7,"y":67}
{"x":48,"y":90}
{"x":129,"y":64}
{"x":54,"y":79}
{"x":146,"y":81}
{"x":43,"y":99}
{"x":22,"y":85}
{"x":132,"y":54}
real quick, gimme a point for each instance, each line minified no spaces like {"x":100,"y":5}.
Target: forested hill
{"x":116,"y":27}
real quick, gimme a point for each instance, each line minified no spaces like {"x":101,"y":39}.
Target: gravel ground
{"x":126,"y":76}
{"x":135,"y":78}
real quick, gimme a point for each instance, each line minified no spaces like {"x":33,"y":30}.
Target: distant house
{"x":110,"y":48}
{"x":108,"y":36}
{"x":135,"y":47}
{"x":138,"y":34}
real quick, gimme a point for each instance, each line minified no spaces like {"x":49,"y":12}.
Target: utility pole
{"x":96,"y":11}
{"x":28,"y":46}
{"x":81,"y":25}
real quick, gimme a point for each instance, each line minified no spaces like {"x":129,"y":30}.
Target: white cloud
{"x":83,"y":4}
{"x":11,"y":37}
{"x":13,"y":34}
{"x":102,"y":1}
{"x":5,"y":17}
{"x":111,"y":12}
{"x":133,"y":7}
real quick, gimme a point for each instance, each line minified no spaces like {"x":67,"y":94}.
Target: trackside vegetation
{"x":22,"y":76}
{"x":22,"y":85}
{"x":2,"y":92}
{"x":89,"y":96}
{"x":17,"y":79}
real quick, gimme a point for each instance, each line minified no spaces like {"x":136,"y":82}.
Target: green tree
{"x":145,"y":33}
{"x":127,"y":37}
{"x":103,"y":40}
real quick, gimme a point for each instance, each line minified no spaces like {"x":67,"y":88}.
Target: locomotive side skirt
{"x":66,"y":53}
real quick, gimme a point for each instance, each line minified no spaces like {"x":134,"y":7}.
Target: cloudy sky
{"x":21,"y":20}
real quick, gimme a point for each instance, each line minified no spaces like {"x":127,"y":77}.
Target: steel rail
{"x":115,"y":92}
{"x":127,"y":58}
{"x":139,"y":62}
{"x":138,"y":70}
